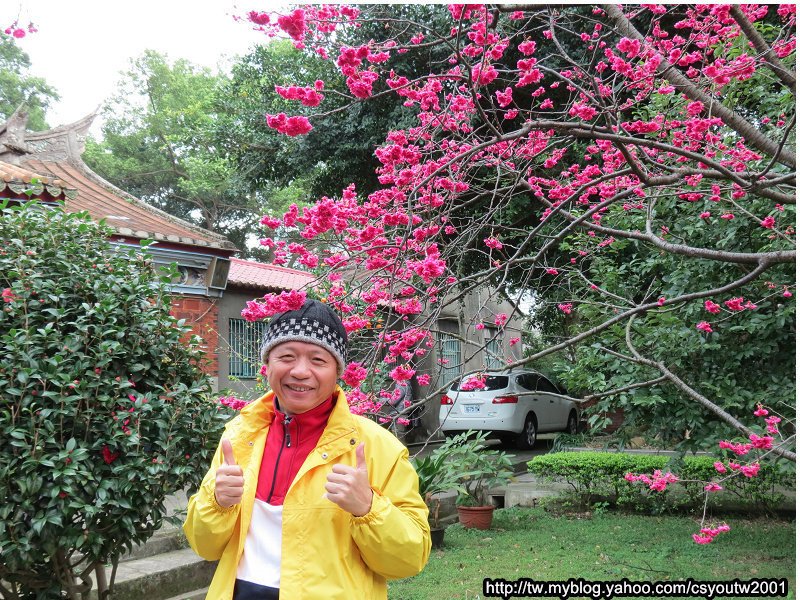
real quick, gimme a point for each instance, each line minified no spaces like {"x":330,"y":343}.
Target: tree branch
{"x":683,"y":84}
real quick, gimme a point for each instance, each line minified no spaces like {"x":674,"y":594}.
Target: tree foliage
{"x":18,"y":86}
{"x":627,"y":172}
{"x":161,"y":143}
{"x":105,"y":410}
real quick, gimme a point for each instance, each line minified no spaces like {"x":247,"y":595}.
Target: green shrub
{"x":105,"y":412}
{"x":600,"y":476}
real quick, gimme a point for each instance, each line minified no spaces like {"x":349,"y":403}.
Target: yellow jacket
{"x":326,"y":552}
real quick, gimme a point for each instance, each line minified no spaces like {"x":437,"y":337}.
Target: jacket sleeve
{"x":208,"y":525}
{"x":394,"y":538}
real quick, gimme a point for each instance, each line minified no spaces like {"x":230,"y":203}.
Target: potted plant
{"x":478,"y":470}
{"x":435,"y":476}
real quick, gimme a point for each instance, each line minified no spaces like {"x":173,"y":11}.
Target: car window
{"x":493,"y":382}
{"x":526,"y":382}
{"x":543,"y":385}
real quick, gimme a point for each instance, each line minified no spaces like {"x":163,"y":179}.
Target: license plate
{"x":472,"y":409}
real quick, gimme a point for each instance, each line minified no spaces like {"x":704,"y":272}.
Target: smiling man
{"x":304,"y":499}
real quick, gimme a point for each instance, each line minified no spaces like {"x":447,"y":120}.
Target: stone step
{"x":178,"y":573}
{"x":195,"y":595}
{"x":164,"y":540}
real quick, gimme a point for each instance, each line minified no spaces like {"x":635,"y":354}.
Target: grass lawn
{"x":531,"y":543}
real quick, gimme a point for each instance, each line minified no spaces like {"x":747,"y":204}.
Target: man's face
{"x":302,"y":375}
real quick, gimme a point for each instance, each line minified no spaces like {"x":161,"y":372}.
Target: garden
{"x":621,"y":177}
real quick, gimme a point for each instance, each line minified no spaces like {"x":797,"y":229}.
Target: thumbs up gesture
{"x":229,"y":483}
{"x":348,"y":487}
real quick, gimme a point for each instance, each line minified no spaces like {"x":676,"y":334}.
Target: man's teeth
{"x":298,"y":388}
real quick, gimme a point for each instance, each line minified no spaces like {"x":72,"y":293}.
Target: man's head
{"x":304,"y":352}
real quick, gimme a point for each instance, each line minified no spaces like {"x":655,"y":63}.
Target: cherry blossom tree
{"x":624,"y":175}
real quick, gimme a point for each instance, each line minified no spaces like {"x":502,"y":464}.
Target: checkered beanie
{"x":314,"y":323}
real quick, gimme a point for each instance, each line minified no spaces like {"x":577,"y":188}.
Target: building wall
{"x":230,"y":307}
{"x":201,"y":314}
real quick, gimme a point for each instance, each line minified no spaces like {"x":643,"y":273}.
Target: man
{"x":304,"y":498}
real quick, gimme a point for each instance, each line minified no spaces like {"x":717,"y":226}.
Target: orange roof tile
{"x":128,"y":215}
{"x":247,"y":273}
{"x":19,"y":181}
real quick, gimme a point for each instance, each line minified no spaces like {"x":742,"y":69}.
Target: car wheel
{"x":526,"y":439}
{"x":572,"y":423}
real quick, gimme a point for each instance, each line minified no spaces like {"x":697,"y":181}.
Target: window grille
{"x":449,"y":351}
{"x":494,"y":354}
{"x":245,"y":340}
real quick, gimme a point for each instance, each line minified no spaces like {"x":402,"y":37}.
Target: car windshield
{"x":493,"y":382}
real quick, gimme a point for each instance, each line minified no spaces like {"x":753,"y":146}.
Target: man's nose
{"x":300,"y":368}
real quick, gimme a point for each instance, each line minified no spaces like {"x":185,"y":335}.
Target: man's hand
{"x":229,"y":484}
{"x":349,"y":487}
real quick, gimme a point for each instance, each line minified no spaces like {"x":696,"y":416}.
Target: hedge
{"x":600,"y":477}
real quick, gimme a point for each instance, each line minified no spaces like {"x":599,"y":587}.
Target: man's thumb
{"x":227,"y":453}
{"x":361,"y":461}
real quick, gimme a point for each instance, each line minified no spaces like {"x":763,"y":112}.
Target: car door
{"x":529,"y":398}
{"x":557,"y":406}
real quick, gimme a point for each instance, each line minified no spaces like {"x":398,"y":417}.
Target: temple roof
{"x":56,"y":155}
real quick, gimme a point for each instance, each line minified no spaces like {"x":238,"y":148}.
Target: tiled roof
{"x":128,"y":215}
{"x":246,"y":273}
{"x":56,"y":154}
{"x":18,"y":180}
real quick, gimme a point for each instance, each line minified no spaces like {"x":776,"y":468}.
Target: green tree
{"x":104,"y":409}
{"x":161,"y":143}
{"x":18,"y":86}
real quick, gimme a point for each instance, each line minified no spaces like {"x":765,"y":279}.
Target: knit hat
{"x":314,"y":323}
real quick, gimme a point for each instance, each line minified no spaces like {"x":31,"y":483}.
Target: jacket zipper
{"x":287,"y":443}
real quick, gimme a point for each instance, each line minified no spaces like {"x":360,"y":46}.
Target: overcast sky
{"x":82,"y":45}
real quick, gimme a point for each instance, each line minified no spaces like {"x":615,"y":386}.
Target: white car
{"x":515,"y":405}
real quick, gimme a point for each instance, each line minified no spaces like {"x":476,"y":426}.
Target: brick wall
{"x":201,"y":315}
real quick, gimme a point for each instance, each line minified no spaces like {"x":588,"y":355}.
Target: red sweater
{"x":289,"y":441}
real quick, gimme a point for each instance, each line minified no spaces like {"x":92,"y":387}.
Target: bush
{"x":105,"y":411}
{"x":600,"y":476}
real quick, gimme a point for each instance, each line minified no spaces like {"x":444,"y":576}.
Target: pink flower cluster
{"x":308,"y":96}
{"x":354,"y":374}
{"x":473,"y":383}
{"x":232,"y":402}
{"x":657,"y":481}
{"x":707,"y":535}
{"x":272,"y":304}
{"x":291,"y":126}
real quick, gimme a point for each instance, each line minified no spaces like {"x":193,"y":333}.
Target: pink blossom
{"x":565,"y":308}
{"x":761,"y":411}
{"x":661,"y":301}
{"x":527,"y":47}
{"x":712,"y":487}
{"x":712,"y":307}
{"x":702,"y":539}
{"x":294,"y":25}
{"x":727,"y":216}
{"x":480,"y":326}
{"x":552,"y":271}
{"x":232,"y":402}
{"x":768,"y":222}
{"x":354,"y":374}
{"x":720,"y":467}
{"x":8,"y":295}
{"x":108,"y":456}
{"x":291,"y":126}
{"x":402,"y":373}
{"x":750,"y":471}
{"x":704,"y":326}
{"x":735,"y":304}
{"x":493,"y":242}
{"x":705,"y":214}
{"x":513,"y":341}
{"x":473,"y":383}
{"x":424,"y":379}
{"x":504,"y":97}
{"x":272,"y":304}
{"x":500,"y":320}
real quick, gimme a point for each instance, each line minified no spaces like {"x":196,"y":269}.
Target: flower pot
{"x":437,"y":537}
{"x":475,"y":517}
